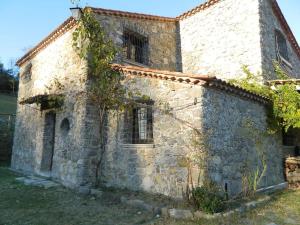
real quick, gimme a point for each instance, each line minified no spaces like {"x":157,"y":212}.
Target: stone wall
{"x":237,"y":140}
{"x":222,"y":38}
{"x":227,"y":35}
{"x":230,"y":129}
{"x":232,"y":132}
{"x":153,"y":167}
{"x":268,"y":24}
{"x":56,"y":61}
{"x":162,"y":37}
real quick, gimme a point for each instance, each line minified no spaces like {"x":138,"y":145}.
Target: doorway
{"x":48,"y":142}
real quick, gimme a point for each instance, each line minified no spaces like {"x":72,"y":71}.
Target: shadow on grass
{"x":21,"y":204}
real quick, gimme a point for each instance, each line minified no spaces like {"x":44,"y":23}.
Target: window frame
{"x":282,"y":52}
{"x":26,"y":75}
{"x":134,"y":40}
{"x":138,"y":123}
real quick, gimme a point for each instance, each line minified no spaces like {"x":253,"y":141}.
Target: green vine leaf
{"x":284,"y":112}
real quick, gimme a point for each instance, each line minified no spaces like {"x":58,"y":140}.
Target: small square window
{"x":135,"y":47}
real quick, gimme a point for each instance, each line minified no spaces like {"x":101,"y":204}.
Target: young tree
{"x":105,"y":91}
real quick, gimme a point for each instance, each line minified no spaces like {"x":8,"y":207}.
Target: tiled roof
{"x":63,"y":28}
{"x":162,"y":74}
{"x":288,"y":81}
{"x":192,"y":79}
{"x":39,"y":98}
{"x":278,"y":13}
{"x":69,"y":23}
{"x":132,"y":15}
{"x":197,"y":9}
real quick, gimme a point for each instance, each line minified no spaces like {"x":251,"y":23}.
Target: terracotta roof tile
{"x":132,"y":15}
{"x":197,"y":9}
{"x":62,"y":29}
{"x":288,"y":81}
{"x":193,"y":79}
{"x":69,"y":23}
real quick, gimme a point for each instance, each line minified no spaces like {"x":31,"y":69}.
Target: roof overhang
{"x":46,"y":101}
{"x":71,"y":22}
{"x":192,"y":79}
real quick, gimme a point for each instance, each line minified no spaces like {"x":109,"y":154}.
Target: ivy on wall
{"x":107,"y":86}
{"x":284,"y":108}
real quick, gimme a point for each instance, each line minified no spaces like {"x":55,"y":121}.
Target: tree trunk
{"x":102,"y":149}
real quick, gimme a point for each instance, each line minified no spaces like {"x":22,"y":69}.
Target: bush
{"x":209,"y":198}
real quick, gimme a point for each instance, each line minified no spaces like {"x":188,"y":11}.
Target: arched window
{"x":65,"y":126}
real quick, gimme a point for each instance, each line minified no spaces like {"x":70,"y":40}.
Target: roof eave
{"x":192,"y":79}
{"x":59,"y":31}
{"x":70,"y":22}
{"x":285,"y":26}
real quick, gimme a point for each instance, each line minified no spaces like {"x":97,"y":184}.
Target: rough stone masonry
{"x":183,"y":54}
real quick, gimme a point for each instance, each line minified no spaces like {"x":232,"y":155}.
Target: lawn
{"x":284,"y":209}
{"x":8,"y":104}
{"x":24,"y":205}
{"x":27,"y":205}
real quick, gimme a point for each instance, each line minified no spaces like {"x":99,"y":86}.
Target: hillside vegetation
{"x":8,"y":104}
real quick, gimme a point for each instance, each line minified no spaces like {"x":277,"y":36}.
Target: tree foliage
{"x":8,"y":80}
{"x":284,"y":109}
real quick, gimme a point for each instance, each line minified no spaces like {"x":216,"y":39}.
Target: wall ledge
{"x":280,"y":186}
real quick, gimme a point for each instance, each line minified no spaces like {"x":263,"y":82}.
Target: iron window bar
{"x":142,"y":125}
{"x":135,"y":47}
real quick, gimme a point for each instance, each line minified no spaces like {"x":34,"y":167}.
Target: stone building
{"x":182,"y":64}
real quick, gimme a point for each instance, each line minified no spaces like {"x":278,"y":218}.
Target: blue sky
{"x":26,"y":22}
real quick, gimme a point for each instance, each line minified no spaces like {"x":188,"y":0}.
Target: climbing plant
{"x":284,"y":108}
{"x":105,"y":91}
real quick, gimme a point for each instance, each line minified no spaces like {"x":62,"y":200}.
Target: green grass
{"x":24,"y":205}
{"x":8,"y":104}
{"x":284,"y":209}
{"x":27,"y":205}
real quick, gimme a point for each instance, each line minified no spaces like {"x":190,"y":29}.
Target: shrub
{"x":209,"y":198}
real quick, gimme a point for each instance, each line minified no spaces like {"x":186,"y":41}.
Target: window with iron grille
{"x":281,"y":46}
{"x":142,"y":125}
{"x":135,"y":47}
